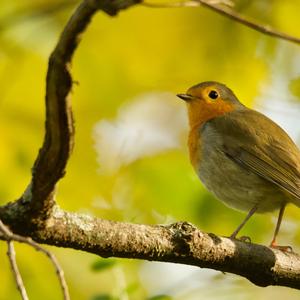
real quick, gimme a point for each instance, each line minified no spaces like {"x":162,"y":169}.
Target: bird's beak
{"x":185,"y":97}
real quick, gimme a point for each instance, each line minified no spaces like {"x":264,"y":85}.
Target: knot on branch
{"x":112,"y":7}
{"x":182,"y":237}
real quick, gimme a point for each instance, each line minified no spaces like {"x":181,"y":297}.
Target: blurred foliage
{"x":295,"y":87}
{"x":160,"y":297}
{"x":119,"y":59}
{"x":102,"y":264}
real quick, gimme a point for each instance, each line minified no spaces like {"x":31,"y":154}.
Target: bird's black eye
{"x":213,"y":94}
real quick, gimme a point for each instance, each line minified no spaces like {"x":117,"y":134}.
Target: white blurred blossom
{"x":186,"y":282}
{"x":275,"y":99}
{"x":150,"y":124}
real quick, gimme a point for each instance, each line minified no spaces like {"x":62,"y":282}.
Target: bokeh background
{"x":130,"y":161}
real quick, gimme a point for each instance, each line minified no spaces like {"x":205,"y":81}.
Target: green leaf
{"x":294,"y":87}
{"x":103,"y":297}
{"x":131,"y":288}
{"x":160,"y":297}
{"x":103,"y":264}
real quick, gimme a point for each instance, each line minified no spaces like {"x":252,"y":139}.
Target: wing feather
{"x":268,"y":169}
{"x":259,"y":145}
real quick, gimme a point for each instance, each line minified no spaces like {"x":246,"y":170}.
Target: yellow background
{"x":119,"y":63}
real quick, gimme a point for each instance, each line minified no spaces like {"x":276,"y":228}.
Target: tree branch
{"x":178,"y":243}
{"x":226,"y":11}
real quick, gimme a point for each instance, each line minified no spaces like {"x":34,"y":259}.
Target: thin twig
{"x":58,"y":268}
{"x":189,"y":3}
{"x":229,"y":13}
{"x":9,"y":236}
{"x":186,"y":3}
{"x":14,"y":267}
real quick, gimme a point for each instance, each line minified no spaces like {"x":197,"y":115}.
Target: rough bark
{"x":179,"y":243}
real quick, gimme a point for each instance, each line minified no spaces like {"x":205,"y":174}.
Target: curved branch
{"x":229,"y":13}
{"x":50,"y":164}
{"x":35,"y":205}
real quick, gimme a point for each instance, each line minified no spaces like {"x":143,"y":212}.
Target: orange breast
{"x":199,"y":113}
{"x":194,"y":145}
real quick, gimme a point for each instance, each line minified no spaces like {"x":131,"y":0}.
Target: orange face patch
{"x":200,"y":110}
{"x":207,"y":104}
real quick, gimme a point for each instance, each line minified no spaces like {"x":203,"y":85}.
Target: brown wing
{"x":261,"y":146}
{"x":270,"y":170}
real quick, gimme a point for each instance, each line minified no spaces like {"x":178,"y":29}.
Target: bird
{"x":241,"y":156}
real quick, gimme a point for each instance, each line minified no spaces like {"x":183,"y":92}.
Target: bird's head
{"x":208,"y":100}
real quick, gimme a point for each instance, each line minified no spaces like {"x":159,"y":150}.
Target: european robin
{"x":241,"y":156}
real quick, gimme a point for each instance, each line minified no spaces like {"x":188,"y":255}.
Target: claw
{"x":243,"y":238}
{"x":282,"y":248}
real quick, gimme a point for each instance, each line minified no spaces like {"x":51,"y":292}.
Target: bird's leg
{"x":273,"y":243}
{"x":250,"y":213}
{"x":281,"y":212}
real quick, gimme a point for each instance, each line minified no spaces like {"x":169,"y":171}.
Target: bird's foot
{"x":243,"y":238}
{"x":281,"y":248}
